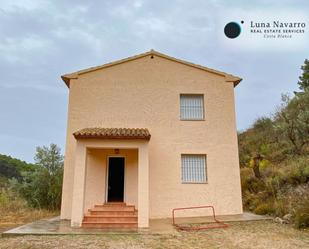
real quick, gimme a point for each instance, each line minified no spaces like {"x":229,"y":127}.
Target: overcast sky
{"x":41,"y":40}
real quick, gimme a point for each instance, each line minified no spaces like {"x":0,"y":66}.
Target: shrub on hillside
{"x":10,"y":201}
{"x":301,"y":219}
{"x":298,"y":171}
{"x":42,"y":188}
{"x":265,"y":208}
{"x":14,"y":209}
{"x":12,"y":168}
{"x":278,"y":191}
{"x":250,"y":182}
{"x":274,"y":159}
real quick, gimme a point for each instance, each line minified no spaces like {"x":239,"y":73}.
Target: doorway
{"x":115,"y":181}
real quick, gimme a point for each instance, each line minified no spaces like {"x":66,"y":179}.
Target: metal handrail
{"x":185,"y":228}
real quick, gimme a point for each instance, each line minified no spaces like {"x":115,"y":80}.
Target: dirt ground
{"x":258,"y":234}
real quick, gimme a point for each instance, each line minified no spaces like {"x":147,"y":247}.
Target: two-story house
{"x":147,"y":134}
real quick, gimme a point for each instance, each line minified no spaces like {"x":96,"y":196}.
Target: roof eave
{"x":232,"y":78}
{"x":67,"y":77}
{"x":229,"y":78}
{"x":236,"y":82}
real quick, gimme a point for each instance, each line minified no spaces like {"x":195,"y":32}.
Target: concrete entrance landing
{"x":55,"y":226}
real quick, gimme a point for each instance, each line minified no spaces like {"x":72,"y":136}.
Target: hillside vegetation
{"x":274,"y":159}
{"x":12,"y":168}
{"x":30,"y":191}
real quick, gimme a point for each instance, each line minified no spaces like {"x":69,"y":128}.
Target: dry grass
{"x":259,"y":235}
{"x":16,"y":212}
{"x":24,"y":215}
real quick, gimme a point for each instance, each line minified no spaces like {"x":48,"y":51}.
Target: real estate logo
{"x":265,"y":30}
{"x":277,"y":29}
{"x":232,"y":29}
{"x":274,"y":29}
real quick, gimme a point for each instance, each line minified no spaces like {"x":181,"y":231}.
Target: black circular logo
{"x":232,"y":30}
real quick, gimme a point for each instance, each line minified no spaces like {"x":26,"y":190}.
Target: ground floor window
{"x":193,"y":168}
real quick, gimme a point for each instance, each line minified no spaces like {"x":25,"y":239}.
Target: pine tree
{"x":304,"y":79}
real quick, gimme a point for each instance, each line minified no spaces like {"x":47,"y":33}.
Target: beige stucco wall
{"x":96,"y":169}
{"x":144,"y":93}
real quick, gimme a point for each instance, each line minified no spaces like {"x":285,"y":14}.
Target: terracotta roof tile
{"x":113,"y":133}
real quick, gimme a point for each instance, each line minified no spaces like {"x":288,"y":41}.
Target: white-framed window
{"x":191,"y":106}
{"x":193,"y":168}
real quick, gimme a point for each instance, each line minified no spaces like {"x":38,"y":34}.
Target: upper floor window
{"x":191,"y":106}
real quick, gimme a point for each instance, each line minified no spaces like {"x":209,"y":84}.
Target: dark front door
{"x":115,"y":179}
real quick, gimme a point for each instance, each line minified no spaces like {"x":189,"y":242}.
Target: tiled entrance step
{"x":111,"y":215}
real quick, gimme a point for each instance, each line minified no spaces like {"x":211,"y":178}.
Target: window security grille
{"x":193,"y":168}
{"x":191,"y":107}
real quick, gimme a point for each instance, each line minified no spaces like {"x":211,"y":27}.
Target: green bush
{"x":249,"y":182}
{"x":11,"y":167}
{"x":298,"y":172}
{"x":3,"y":198}
{"x":301,"y":219}
{"x":281,"y":206}
{"x":246,"y":176}
{"x":280,"y":191}
{"x":265,"y":208}
{"x":9,"y":200}
{"x":42,"y":187}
